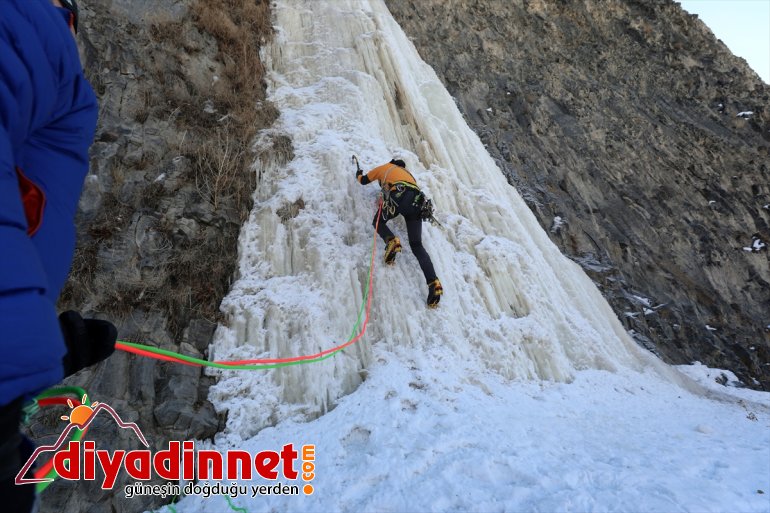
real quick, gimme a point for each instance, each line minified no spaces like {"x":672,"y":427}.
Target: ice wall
{"x":347,"y":80}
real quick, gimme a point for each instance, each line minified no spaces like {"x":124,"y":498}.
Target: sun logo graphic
{"x":67,"y":462}
{"x":81,"y":413}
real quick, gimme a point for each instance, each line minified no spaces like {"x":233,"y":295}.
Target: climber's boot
{"x":392,"y":247}
{"x":434,"y":293}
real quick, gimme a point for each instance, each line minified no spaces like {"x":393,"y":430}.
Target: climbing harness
{"x":421,"y":202}
{"x":389,"y":200}
{"x":392,"y":193}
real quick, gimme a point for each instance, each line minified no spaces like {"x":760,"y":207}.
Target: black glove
{"x":88,"y":341}
{"x":358,"y":174}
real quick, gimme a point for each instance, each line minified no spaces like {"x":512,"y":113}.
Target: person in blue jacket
{"x":48,"y":117}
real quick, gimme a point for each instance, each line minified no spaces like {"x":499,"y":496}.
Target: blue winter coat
{"x":47,"y":120}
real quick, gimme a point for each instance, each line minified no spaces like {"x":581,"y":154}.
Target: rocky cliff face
{"x":181,"y":97}
{"x":640,"y":142}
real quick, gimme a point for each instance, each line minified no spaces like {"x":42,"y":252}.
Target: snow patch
{"x":757,"y":245}
{"x":557,"y":223}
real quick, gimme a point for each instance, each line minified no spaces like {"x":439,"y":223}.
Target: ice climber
{"x":401,"y":195}
{"x":47,"y":122}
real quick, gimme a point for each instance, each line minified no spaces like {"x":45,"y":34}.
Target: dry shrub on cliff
{"x":221,"y":122}
{"x":240,"y":28}
{"x":205,"y":79}
{"x":204,"y":95}
{"x":217,"y":166}
{"x":220,"y":161}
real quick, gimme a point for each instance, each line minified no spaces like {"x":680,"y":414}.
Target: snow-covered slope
{"x":427,"y":432}
{"x":522,"y":391}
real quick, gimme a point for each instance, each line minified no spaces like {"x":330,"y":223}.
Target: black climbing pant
{"x":405,"y":206}
{"x":15,"y":449}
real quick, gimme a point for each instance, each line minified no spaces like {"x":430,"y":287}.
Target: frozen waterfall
{"x":347,"y":80}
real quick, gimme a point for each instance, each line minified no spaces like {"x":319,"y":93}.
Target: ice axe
{"x":355,"y":160}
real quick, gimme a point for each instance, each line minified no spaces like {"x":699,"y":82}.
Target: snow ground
{"x":522,"y":392}
{"x":426,"y":432}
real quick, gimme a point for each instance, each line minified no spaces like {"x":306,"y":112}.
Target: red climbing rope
{"x":262,"y":363}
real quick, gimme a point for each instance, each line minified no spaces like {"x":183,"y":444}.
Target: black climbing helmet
{"x":398,"y":162}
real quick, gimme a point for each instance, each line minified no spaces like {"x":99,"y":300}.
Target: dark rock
{"x":622,"y":117}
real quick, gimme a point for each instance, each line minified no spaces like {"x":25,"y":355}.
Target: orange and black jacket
{"x":389,"y":175}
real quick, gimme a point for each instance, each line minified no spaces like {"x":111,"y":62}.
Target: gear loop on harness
{"x":389,"y":205}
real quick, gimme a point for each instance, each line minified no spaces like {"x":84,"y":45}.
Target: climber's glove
{"x":88,"y":341}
